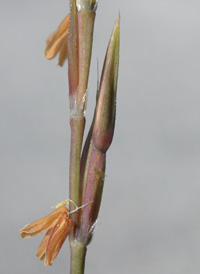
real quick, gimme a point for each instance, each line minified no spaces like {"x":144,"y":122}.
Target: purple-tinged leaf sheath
{"x":95,"y":176}
{"x":85,"y":158}
{"x":73,"y":53}
{"x":88,"y":147}
{"x":106,"y":106}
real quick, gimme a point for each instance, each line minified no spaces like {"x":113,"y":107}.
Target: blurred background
{"x":150,"y":217}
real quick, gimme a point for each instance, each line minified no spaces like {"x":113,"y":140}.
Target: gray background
{"x":150,"y":215}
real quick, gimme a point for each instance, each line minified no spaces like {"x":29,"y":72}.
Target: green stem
{"x":85,"y":39}
{"x":78,"y":253}
{"x":77,"y":124}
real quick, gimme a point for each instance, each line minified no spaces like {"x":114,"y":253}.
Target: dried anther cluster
{"x":58,"y":225}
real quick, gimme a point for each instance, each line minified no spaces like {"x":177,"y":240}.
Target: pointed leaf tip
{"x":106,"y":106}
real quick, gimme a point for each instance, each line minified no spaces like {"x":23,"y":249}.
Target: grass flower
{"x":58,"y":225}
